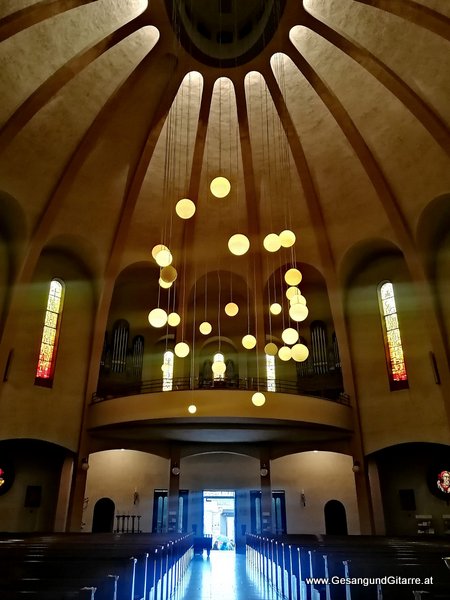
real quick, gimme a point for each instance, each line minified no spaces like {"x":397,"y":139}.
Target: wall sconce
{"x":136,"y":497}
{"x":84,"y":464}
{"x":264,"y":471}
{"x":356,"y":467}
{"x":303,"y":498}
{"x":176,"y":470}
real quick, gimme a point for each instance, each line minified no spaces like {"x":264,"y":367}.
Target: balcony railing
{"x":315,"y":387}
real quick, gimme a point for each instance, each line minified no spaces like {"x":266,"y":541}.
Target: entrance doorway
{"x":219,"y":509}
{"x":335,"y":518}
{"x":103,"y":518}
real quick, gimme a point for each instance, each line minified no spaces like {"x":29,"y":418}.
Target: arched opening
{"x":103,"y":519}
{"x":335,"y":518}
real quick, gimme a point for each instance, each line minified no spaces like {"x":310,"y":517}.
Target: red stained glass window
{"x":49,"y":342}
{"x":393,"y":341}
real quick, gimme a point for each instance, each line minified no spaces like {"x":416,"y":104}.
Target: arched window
{"x":49,"y":343}
{"x":168,"y":371}
{"x":392,"y":340}
{"x":270,"y":373}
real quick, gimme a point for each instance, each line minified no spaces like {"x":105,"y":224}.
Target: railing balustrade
{"x":299,"y":388}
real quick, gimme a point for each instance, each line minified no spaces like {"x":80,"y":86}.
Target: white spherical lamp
{"x":220,"y":187}
{"x":272,"y":242}
{"x":164,"y":284}
{"x":284,"y":353}
{"x":293,"y":277}
{"x":231,"y":309}
{"x":298,"y":299}
{"x":291,"y":292}
{"x":157,"y":249}
{"x":289,"y":336}
{"x":287,"y":238}
{"x":271,"y":349}
{"x":299,"y":352}
{"x":298,"y":312}
{"x":238,"y":244}
{"x":218,"y":367}
{"x":165,"y":367}
{"x":174,"y":319}
{"x":275,"y":308}
{"x":181,"y":349}
{"x":192,"y":409}
{"x":258,"y":399}
{"x":168,"y":274}
{"x":157,"y":317}
{"x":185,"y":208}
{"x":163,"y":256}
{"x":205,"y":328}
{"x":249,"y":341}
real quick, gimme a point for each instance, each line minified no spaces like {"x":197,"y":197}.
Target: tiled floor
{"x":222,"y":577}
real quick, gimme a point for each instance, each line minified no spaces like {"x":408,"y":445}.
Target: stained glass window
{"x":393,"y":341}
{"x":167,"y":368}
{"x":49,"y":343}
{"x":219,"y":358}
{"x":270,"y":373}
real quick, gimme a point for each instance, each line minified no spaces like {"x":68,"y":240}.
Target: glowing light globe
{"x":258,"y":399}
{"x":291,"y":292}
{"x":163,"y":256}
{"x":299,"y":352}
{"x":271,"y":349}
{"x":165,"y":368}
{"x":293,"y":277}
{"x":249,"y":341}
{"x":289,"y":336}
{"x":192,"y":409}
{"x":298,"y":312}
{"x":205,"y":328}
{"x":287,"y":238}
{"x":231,"y":309}
{"x":275,"y":308}
{"x":168,"y":274}
{"x":157,"y":249}
{"x":298,"y":299}
{"x":185,"y":208}
{"x":174,"y":319}
{"x":181,"y":349}
{"x":220,"y":187}
{"x":238,"y":244}
{"x":284,"y":353}
{"x":272,"y":242}
{"x":164,"y":284}
{"x":157,"y":317}
{"x":218,"y":367}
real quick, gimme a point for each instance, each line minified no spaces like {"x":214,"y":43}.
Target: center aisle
{"x":223,"y":576}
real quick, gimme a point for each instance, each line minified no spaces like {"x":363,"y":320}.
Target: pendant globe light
{"x":220,"y":187}
{"x":192,"y":409}
{"x":297,"y":299}
{"x":287,"y":238}
{"x":284,"y":353}
{"x":168,"y":274}
{"x":218,"y":367}
{"x":205,"y":328}
{"x":291,"y":292}
{"x":231,"y":309}
{"x":249,"y":341}
{"x":174,"y":319}
{"x":272,"y":242}
{"x":238,"y":244}
{"x":271,"y":349}
{"x":298,"y":312}
{"x":299,"y":352}
{"x":275,"y":308}
{"x":289,"y":336}
{"x":162,"y":255}
{"x":164,"y":284}
{"x":258,"y":399}
{"x":292,"y":277}
{"x":157,"y":317}
{"x":181,"y":349}
{"x":185,"y":208}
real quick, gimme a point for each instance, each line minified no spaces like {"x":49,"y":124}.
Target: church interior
{"x":225,"y":267}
